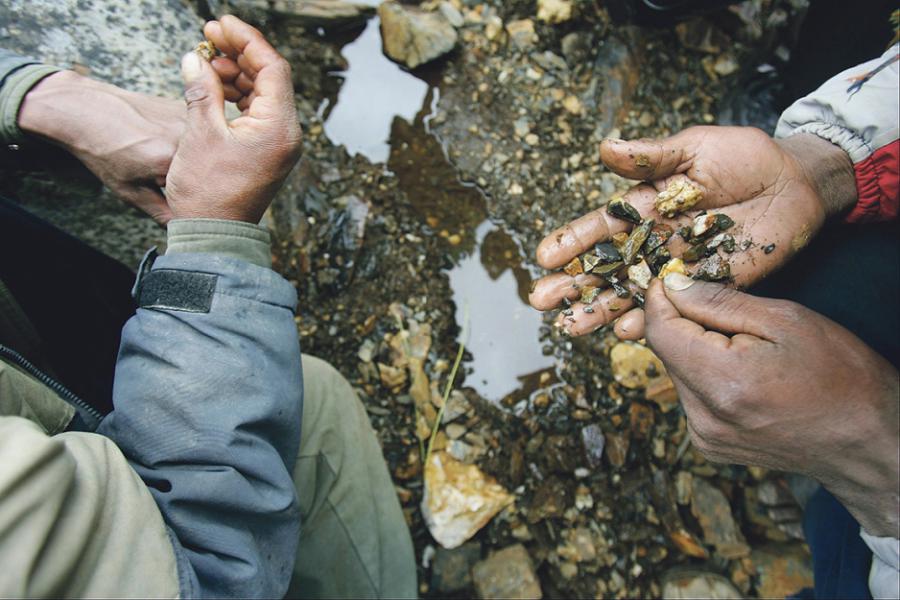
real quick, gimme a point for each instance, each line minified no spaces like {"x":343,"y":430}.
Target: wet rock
{"x":551,"y":499}
{"x":560,"y":453}
{"x":593,"y":440}
{"x":508,"y":573}
{"x":579,"y":546}
{"x":635,"y":366}
{"x":414,"y":37}
{"x":554,"y":11}
{"x":683,"y":487}
{"x":330,"y":14}
{"x":617,"y":448}
{"x":453,"y":16}
{"x":618,"y":66}
{"x":697,"y":584}
{"x":641,"y":419}
{"x":700,"y":34}
{"x":451,"y":569}
{"x":457,"y":406}
{"x":712,"y":510}
{"x":521,"y":34}
{"x":459,"y":499}
{"x":577,"y":47}
{"x":782,"y":570}
{"x":392,"y":377}
{"x":667,"y":512}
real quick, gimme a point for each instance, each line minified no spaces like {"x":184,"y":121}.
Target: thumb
{"x":203,"y":92}
{"x":650,"y":159}
{"x":720,"y":308}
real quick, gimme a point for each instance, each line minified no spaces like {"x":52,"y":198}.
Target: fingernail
{"x":677,"y":282}
{"x":614,"y":140}
{"x":191,"y":66}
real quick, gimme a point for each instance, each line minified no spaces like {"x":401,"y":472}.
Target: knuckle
{"x":196,"y":95}
{"x":788,"y":314}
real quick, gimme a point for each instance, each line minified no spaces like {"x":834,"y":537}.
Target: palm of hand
{"x":741,"y":172}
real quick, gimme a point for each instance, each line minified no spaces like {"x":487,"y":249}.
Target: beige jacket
{"x":68,"y":503}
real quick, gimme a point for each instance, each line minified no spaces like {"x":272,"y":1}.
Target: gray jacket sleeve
{"x":18,"y":74}
{"x":207,"y":411}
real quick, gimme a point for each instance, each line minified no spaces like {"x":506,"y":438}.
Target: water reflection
{"x":503,"y":330}
{"x":374,"y":92}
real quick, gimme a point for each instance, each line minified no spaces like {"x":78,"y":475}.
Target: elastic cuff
{"x":234,"y":239}
{"x":15,"y":86}
{"x":877,"y":186}
{"x":848,"y":140}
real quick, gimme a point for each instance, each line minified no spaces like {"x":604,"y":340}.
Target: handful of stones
{"x":642,"y":254}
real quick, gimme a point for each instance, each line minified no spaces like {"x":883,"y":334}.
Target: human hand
{"x":771,"y":383}
{"x":232,"y":170}
{"x":778,"y":193}
{"x":126,"y":139}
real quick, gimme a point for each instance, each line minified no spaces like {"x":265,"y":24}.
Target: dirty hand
{"x":232,"y":170}
{"x":126,"y":139}
{"x":771,"y":383}
{"x":778,"y":192}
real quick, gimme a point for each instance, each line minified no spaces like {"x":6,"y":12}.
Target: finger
{"x":151,"y":201}
{"x":227,"y":69}
{"x":719,"y":308}
{"x":213,"y":32}
{"x":246,"y":66}
{"x":587,"y":318}
{"x":232,"y":94}
{"x":203,"y":93}
{"x":652,"y":159}
{"x":244,"y":83}
{"x":577,"y":237}
{"x":548,"y":292}
{"x":630,"y":326}
{"x":683,"y":345}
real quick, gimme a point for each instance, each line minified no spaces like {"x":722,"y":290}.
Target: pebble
{"x":508,"y":573}
{"x":459,"y":499}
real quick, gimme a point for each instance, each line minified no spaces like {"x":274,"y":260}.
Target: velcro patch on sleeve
{"x":170,"y":289}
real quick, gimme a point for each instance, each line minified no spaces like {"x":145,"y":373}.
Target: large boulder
{"x":135,"y":44}
{"x":412,"y":36}
{"x":329,"y":14}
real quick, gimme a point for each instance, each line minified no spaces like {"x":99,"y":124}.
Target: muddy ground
{"x":421,"y":198}
{"x":457,"y":203}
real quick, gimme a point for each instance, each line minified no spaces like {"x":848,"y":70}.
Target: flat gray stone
{"x":135,"y":44}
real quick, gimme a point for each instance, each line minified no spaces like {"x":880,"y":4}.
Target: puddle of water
{"x":380,"y":112}
{"x":490,"y":287}
{"x":374,"y":92}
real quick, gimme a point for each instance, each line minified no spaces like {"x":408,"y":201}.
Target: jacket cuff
{"x":233,"y":239}
{"x":12,"y":92}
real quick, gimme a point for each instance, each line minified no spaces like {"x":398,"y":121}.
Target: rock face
{"x":459,"y":499}
{"x":412,"y":36}
{"x":135,"y":44}
{"x":508,"y":573}
{"x":330,"y":14}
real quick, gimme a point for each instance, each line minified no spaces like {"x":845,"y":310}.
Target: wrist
{"x":867,"y":480}
{"x":57,"y":108}
{"x":827,"y":168}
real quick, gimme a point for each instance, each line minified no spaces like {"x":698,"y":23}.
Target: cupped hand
{"x":126,"y":139}
{"x":771,"y":383}
{"x":775,"y":192}
{"x":232,"y":170}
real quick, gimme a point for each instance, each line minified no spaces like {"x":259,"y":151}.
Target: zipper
{"x":90,"y":415}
